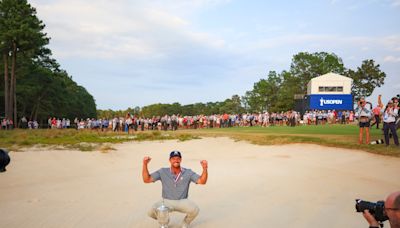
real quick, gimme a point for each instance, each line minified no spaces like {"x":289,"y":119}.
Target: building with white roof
{"x":330,"y":91}
{"x":330,"y":83}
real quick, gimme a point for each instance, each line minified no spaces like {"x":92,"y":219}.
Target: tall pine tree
{"x":21,"y":33}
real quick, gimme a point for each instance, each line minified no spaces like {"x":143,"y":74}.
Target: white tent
{"x":330,"y":83}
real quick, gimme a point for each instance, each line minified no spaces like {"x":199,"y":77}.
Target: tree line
{"x":275,"y":92}
{"x":34,"y":86}
{"x":230,"y":105}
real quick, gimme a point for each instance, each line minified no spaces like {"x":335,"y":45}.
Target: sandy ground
{"x":248,"y":186}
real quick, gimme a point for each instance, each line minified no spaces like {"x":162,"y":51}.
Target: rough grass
{"x":84,"y":140}
{"x":106,"y":148}
{"x":343,"y":136}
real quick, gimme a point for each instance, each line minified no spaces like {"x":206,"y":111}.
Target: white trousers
{"x":184,"y":206}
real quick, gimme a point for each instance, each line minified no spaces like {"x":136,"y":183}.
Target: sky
{"x":129,"y":53}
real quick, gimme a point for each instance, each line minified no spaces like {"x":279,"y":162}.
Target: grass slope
{"x":344,"y":136}
{"x":84,"y":140}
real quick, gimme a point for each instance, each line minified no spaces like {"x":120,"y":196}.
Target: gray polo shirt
{"x":172,"y":188}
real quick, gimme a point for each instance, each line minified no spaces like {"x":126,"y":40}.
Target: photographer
{"x":364,"y":115}
{"x":396,"y":104}
{"x":392,"y":210}
{"x":390,"y":114}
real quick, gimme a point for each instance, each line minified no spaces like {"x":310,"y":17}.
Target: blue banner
{"x":330,"y":102}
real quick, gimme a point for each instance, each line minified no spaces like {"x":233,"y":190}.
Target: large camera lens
{"x":361,"y":206}
{"x":376,"y":209}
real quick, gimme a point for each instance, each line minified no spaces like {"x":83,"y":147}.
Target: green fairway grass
{"x":343,"y":136}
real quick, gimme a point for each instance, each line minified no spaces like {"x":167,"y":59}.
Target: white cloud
{"x":189,"y":5}
{"x":353,"y":5}
{"x":364,"y":43}
{"x":392,"y":42}
{"x":351,"y":57}
{"x":391,"y":59}
{"x":138,"y":29}
{"x":395,"y":3}
{"x":158,"y":29}
{"x":333,"y":2}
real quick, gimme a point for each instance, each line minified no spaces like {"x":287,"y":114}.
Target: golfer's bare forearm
{"x":203,"y":177}
{"x":146,"y":174}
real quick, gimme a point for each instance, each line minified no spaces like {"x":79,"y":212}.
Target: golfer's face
{"x":175,"y":161}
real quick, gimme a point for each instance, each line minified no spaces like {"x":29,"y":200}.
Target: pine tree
{"x":21,"y":33}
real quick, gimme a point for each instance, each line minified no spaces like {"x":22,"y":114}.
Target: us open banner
{"x":330,"y":102}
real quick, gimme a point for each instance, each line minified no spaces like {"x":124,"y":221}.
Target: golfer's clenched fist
{"x":204,"y":164}
{"x":146,"y":160}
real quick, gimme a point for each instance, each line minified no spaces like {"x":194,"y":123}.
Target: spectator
{"x":364,"y":116}
{"x":389,"y":121}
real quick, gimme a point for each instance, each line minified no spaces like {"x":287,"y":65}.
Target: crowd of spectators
{"x":131,"y":123}
{"x":7,"y":124}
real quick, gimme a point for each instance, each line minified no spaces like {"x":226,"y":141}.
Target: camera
{"x":4,"y":160}
{"x":379,"y":141}
{"x":376,"y":209}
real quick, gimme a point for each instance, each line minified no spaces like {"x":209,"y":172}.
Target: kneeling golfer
{"x":175,"y":186}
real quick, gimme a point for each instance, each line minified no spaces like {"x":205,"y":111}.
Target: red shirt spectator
{"x":376,"y":111}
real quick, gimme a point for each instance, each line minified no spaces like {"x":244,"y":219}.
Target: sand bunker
{"x":248,"y":186}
